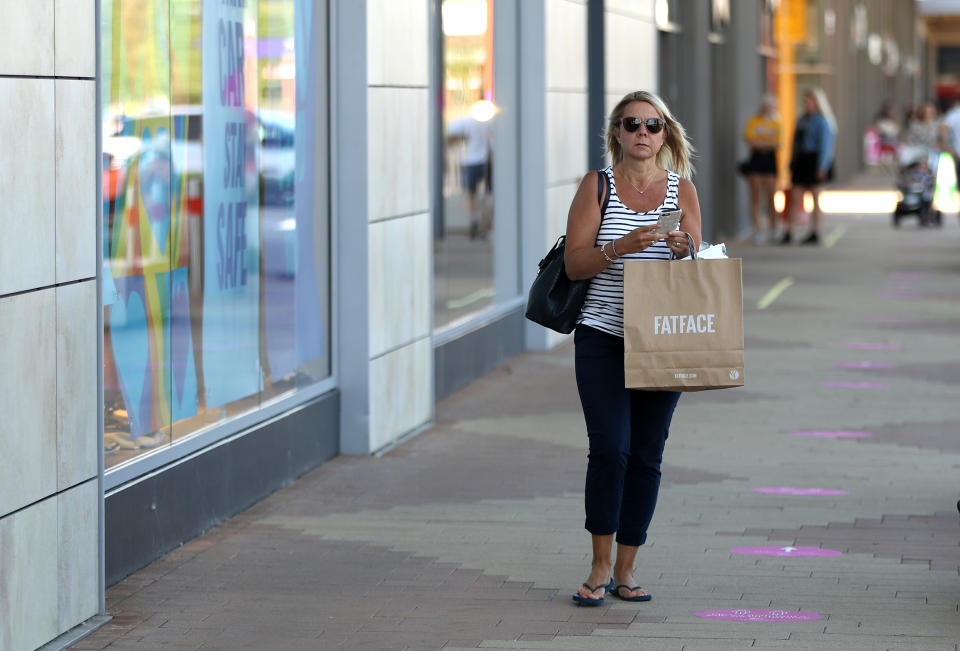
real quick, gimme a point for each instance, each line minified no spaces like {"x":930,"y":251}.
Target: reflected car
{"x":143,"y":144}
{"x":276,"y":132}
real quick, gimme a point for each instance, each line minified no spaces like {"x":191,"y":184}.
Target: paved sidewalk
{"x":471,"y":533}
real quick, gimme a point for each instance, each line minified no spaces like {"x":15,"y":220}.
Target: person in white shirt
{"x":950,"y":133}
{"x":475,"y":129}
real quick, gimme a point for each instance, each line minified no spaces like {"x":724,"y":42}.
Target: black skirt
{"x":803,"y":169}
{"x":762,"y":162}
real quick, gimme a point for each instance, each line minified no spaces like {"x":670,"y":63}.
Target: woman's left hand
{"x":677,"y":241}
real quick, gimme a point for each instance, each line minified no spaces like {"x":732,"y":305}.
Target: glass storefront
{"x":463,"y":232}
{"x":215,"y":225}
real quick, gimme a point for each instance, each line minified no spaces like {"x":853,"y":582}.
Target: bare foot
{"x":599,"y":578}
{"x":625,"y":583}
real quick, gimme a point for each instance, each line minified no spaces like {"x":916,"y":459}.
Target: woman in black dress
{"x":813,"y":139}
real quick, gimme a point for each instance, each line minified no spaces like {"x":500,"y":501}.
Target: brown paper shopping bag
{"x":683,"y":324}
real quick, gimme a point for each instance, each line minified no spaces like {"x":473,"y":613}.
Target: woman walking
{"x":626,"y":428}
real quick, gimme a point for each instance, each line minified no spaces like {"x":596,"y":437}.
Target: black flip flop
{"x":587,"y":601}
{"x":616,"y":593}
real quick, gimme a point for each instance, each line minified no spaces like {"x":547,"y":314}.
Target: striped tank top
{"x":603,"y":305}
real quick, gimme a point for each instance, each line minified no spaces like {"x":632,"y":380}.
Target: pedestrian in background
{"x":626,"y":428}
{"x":811,"y":162}
{"x":762,"y":134}
{"x":926,"y":132}
{"x":950,"y":134}
{"x":889,"y":131}
{"x":475,"y":130}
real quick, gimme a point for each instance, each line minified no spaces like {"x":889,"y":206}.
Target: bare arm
{"x":583,"y":258}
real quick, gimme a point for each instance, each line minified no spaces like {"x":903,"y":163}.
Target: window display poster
{"x":135,"y":370}
{"x":231,"y":271}
{"x":183,"y":377}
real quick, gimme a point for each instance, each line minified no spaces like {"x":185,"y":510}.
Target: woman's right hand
{"x":640,"y":238}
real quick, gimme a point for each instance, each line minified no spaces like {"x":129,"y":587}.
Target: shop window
{"x":463,"y":230}
{"x":216,"y":290}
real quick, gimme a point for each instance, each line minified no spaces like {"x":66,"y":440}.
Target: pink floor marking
{"x":785,"y":551}
{"x":868,"y":365}
{"x":832,"y":434}
{"x":854,"y":385}
{"x":898,"y":294}
{"x":759,"y":615}
{"x":871,"y":345}
{"x":885,"y":318}
{"x":788,"y":490}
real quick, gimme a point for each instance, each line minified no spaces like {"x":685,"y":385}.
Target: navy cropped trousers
{"x":627,"y":430}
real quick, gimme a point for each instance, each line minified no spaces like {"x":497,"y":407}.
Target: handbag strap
{"x":603,"y":198}
{"x":603,"y":192}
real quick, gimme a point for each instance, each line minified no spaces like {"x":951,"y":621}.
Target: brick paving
{"x":470,"y":535}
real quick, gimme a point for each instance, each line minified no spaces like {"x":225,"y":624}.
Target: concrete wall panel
{"x":398,"y":168}
{"x":78,"y":554}
{"x":397,"y":43}
{"x":26,"y":32}
{"x":399,"y":282}
{"x":566,"y":39}
{"x":566,"y":136}
{"x":400,"y":392}
{"x":399,"y":238}
{"x":75,"y":31}
{"x":559,"y":198}
{"x":630,"y":54}
{"x":77,"y":435}
{"x":28,"y":401}
{"x":631,"y":8}
{"x":76,"y":180}
{"x":28,"y":576}
{"x":27,"y":212}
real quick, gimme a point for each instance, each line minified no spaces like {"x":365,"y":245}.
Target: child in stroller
{"x":917,"y":180}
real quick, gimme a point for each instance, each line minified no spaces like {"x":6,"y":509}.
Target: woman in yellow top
{"x":762,"y":134}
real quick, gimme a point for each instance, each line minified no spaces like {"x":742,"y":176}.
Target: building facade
{"x":50,"y":479}
{"x":242,"y":237}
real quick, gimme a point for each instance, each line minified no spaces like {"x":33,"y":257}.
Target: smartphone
{"x":669,"y":220}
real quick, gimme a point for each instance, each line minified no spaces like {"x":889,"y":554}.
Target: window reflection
{"x":215,"y":284}
{"x":463,"y":254}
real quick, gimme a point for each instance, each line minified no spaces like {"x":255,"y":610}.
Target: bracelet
{"x":613,"y":245}
{"x":604,"y":252}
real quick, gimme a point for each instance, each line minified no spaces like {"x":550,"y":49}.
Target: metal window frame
{"x":98,"y":162}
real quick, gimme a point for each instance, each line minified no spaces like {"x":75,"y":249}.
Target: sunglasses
{"x":654,"y":125}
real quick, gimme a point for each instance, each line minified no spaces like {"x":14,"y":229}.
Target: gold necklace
{"x":644,"y":187}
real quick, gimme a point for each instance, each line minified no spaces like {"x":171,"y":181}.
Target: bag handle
{"x":693,"y":253}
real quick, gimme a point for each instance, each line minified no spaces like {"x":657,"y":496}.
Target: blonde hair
{"x":765,"y":101}
{"x":823,"y":105}
{"x":675,"y":154}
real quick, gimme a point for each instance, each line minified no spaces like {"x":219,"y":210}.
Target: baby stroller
{"x":917,"y":180}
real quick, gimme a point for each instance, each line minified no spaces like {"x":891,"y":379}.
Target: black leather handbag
{"x":554,"y":300}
